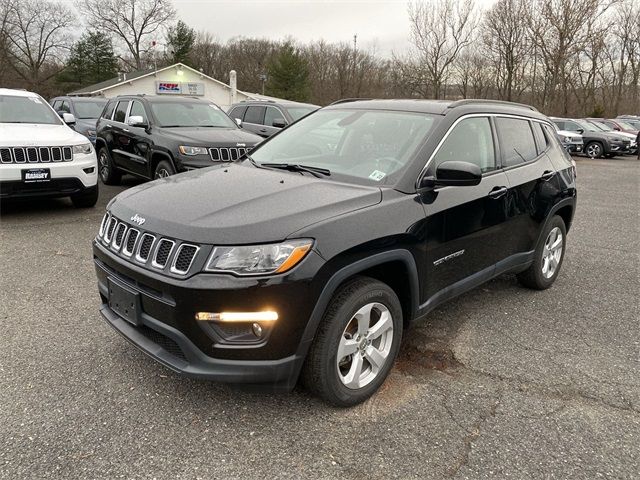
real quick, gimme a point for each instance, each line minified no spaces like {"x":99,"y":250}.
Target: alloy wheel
{"x":552,"y":252}
{"x":104,"y":166}
{"x":593,"y":150}
{"x":162,"y":173}
{"x":365,"y":345}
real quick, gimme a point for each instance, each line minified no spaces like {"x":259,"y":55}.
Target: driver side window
{"x":470,"y":141}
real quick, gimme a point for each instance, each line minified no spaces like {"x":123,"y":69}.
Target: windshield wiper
{"x":295,"y":167}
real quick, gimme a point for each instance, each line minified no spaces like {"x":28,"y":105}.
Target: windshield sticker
{"x":377,"y":175}
{"x":35,"y":100}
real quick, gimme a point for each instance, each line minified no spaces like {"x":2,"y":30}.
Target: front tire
{"x":548,"y":257}
{"x":593,"y":150}
{"x":356,"y":343}
{"x":107,"y":171}
{"x":86,"y":199}
{"x":163,"y":169}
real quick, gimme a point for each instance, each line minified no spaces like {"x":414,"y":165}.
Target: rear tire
{"x":106,"y":169}
{"x":362,"y":324}
{"x":548,"y":257}
{"x":86,"y":199}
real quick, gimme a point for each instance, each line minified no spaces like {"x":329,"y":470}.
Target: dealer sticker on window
{"x":377,"y":175}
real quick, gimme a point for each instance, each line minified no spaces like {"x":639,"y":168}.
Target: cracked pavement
{"x":501,"y":382}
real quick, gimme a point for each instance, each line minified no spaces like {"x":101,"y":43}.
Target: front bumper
{"x":83,"y":168}
{"x":573,"y":147}
{"x":167,"y":329}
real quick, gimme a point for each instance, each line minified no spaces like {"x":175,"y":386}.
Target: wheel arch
{"x":156,"y":157}
{"x":397,"y":268}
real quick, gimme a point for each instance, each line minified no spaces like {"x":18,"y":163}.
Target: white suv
{"x":42,"y":156}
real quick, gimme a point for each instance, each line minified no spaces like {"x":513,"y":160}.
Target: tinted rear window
{"x":108,"y":112}
{"x":516,"y":140}
{"x":121,"y":111}
{"x":254,"y":115}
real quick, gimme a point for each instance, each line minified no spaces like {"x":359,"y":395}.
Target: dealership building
{"x":177,"y":79}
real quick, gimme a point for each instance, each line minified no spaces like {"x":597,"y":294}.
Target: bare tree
{"x":626,"y":32}
{"x":37,"y":35}
{"x":132,"y":22}
{"x":505,"y":37}
{"x":439,"y":31}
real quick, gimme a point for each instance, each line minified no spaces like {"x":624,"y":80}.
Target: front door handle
{"x":125,"y":130}
{"x":498,"y":192}
{"x":548,"y":175}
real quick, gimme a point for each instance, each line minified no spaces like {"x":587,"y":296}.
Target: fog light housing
{"x":257,"y":329}
{"x":265,"y":316}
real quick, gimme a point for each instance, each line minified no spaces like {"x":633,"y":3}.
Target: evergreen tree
{"x":289,"y":75}
{"x":180,"y":40}
{"x":91,"y":60}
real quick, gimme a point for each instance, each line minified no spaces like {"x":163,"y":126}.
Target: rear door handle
{"x":497,"y":192}
{"x":125,"y":129}
{"x":548,"y":175}
{"x":263,"y":130}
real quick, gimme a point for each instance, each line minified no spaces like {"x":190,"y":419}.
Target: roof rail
{"x":347,"y":100}
{"x":475,"y":101}
{"x":258,"y":100}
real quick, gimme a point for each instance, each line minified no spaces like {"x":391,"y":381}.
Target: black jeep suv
{"x":313,"y":256}
{"x":156,"y":136}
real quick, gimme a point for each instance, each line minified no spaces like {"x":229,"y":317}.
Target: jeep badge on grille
{"x":138,"y":219}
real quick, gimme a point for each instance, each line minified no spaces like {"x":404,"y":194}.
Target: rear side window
{"x":254,"y":115}
{"x":237,"y":112}
{"x":108,"y":112}
{"x":121,"y":111}
{"x":470,"y":141}
{"x":516,"y":141}
{"x":541,"y":141}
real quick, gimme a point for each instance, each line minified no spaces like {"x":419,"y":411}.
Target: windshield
{"x":634,"y":123}
{"x":15,"y":109}
{"x":190,"y":114}
{"x":298,"y":112}
{"x":601,"y":126}
{"x":626,"y":125}
{"x":587,"y":126}
{"x":369,"y":146}
{"x":89,"y":109}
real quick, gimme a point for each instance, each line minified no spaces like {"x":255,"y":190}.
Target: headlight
{"x":91,"y":133}
{"x":258,"y":259}
{"x":186,"y":150}
{"x":564,"y":139}
{"x":83,"y":148}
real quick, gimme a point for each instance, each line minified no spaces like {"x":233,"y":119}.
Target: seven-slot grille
{"x":147,"y":248}
{"x":35,"y":154}
{"x":222,"y":154}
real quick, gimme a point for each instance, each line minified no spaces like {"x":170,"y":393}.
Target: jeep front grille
{"x":227,"y":154}
{"x":35,"y":154}
{"x":146,"y":248}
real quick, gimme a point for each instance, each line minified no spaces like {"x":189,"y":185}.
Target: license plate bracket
{"x":124,"y":301}
{"x":36,"y":175}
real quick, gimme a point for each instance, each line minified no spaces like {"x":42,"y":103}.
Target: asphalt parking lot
{"x":502,"y":382}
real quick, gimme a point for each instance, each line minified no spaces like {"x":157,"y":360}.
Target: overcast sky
{"x":382,"y":24}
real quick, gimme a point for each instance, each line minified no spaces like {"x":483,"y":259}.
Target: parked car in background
{"x":571,"y":141}
{"x":311,"y":258}
{"x":86,"y":110}
{"x":605,"y":127}
{"x":265,"y":118}
{"x":619,"y":125}
{"x":40,"y":155}
{"x":153,"y":136}
{"x":597,"y":143}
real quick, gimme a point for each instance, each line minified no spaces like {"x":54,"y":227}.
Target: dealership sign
{"x":180,"y":88}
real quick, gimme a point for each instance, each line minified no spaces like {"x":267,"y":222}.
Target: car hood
{"x":84,"y":124}
{"x":30,"y":134}
{"x":239,"y":204}
{"x":202,"y":136}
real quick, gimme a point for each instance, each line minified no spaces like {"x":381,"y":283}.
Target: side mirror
{"x":238,"y":122}
{"x":453,"y":174}
{"x":580,"y":131}
{"x":279,"y":123}
{"x":68,"y":118}
{"x":136,"y":121}
{"x":617,"y":128}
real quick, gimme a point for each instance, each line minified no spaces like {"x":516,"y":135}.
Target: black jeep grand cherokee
{"x":153,"y":136}
{"x":313,"y":256}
